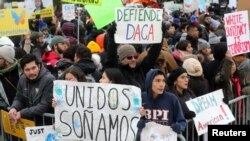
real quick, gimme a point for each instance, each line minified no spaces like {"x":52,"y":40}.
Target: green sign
{"x":105,"y":13}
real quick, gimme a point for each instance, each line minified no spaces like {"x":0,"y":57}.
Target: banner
{"x":157,"y":132}
{"x":105,"y":13}
{"x":138,"y":25}
{"x":40,"y":133}
{"x":44,"y":8}
{"x":13,"y":22}
{"x":68,"y":11}
{"x":237,"y":31}
{"x":94,"y":111}
{"x":15,"y":129}
{"x":210,"y":110}
{"x":84,"y":2}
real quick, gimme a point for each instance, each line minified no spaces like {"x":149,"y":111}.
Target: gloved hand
{"x":176,"y":127}
{"x":189,"y":115}
{"x":112,"y":29}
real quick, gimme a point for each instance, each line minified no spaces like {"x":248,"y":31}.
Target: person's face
{"x":130,"y":60}
{"x":158,"y":85}
{"x":40,"y":39}
{"x":104,"y":78}
{"x":45,"y":32}
{"x":233,"y":69}
{"x":189,"y":48}
{"x":193,"y":33}
{"x":2,"y":63}
{"x":171,"y":30}
{"x":70,"y":77}
{"x":182,"y":81}
{"x":31,"y":70}
{"x":206,"y":51}
{"x":207,"y":20}
{"x":61,"y":47}
{"x":38,"y":3}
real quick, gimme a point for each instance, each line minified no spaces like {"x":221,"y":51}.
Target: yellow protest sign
{"x":84,"y":2}
{"x":13,"y":22}
{"x":15,"y":129}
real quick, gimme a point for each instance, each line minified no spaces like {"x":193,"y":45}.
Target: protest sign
{"x":40,"y":133}
{"x":94,"y":111}
{"x":237,"y":31}
{"x":15,"y":129}
{"x":157,"y":132}
{"x":105,"y":13}
{"x":84,"y":2}
{"x":44,"y":8}
{"x":191,"y":5}
{"x":68,"y":11}
{"x":210,"y":110}
{"x":13,"y":22}
{"x":138,"y":25}
{"x":243,"y":5}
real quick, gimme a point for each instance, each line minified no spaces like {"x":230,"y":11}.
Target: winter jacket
{"x":34,"y":97}
{"x":166,"y":103}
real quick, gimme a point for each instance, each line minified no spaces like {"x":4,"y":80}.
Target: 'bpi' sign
{"x":237,"y":31}
{"x":138,"y":25}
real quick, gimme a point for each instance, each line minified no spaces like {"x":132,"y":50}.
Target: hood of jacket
{"x":148,"y":82}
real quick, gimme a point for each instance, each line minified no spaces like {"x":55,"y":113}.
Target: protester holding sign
{"x":159,"y":106}
{"x":127,"y":61}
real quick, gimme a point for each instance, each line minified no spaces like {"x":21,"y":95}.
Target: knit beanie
{"x":6,"y":41}
{"x":193,"y":67}
{"x":7,"y":53}
{"x":94,"y":47}
{"x":174,"y":75}
{"x":202,"y":44}
{"x":125,"y":51}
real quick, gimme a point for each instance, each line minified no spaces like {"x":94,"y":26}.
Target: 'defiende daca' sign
{"x":96,"y":112}
{"x":138,"y":25}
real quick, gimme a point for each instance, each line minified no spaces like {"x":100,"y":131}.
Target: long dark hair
{"x":77,"y":72}
{"x":115,"y":75}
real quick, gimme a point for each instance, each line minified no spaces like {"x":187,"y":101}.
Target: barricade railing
{"x":239,"y":107}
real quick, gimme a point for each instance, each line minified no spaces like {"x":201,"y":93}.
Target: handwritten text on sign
{"x":237,"y":31}
{"x":210,"y":110}
{"x":93,"y":111}
{"x":138,"y":25}
{"x":40,"y":133}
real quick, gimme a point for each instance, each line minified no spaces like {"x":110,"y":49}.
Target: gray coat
{"x":34,"y":97}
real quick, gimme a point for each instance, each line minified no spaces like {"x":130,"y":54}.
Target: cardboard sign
{"x":157,"y":132}
{"x":68,"y":11}
{"x":94,"y":111}
{"x":40,"y":133}
{"x":13,"y":22}
{"x":84,"y":2}
{"x":15,"y":129}
{"x":210,"y":110}
{"x":44,"y":8}
{"x":237,"y":31}
{"x":138,"y":25}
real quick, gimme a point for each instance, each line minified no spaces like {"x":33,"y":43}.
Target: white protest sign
{"x":40,"y":133}
{"x":210,"y":110}
{"x":68,"y":12}
{"x":44,"y":8}
{"x":157,"y":132}
{"x":138,"y":25}
{"x":94,"y":111}
{"x":237,"y":31}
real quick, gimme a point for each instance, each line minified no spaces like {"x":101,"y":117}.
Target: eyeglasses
{"x":131,"y":57}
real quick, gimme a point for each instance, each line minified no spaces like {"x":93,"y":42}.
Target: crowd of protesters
{"x":192,"y":60}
